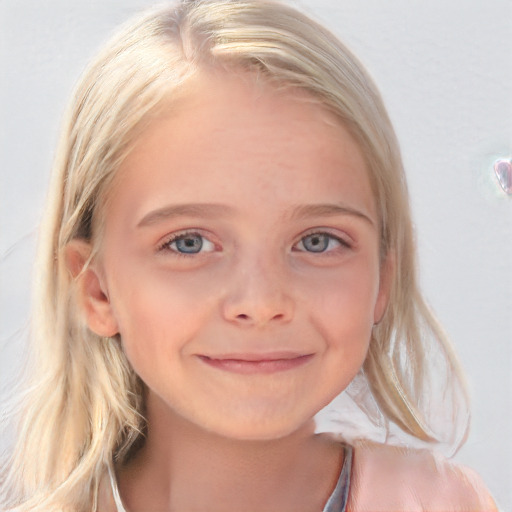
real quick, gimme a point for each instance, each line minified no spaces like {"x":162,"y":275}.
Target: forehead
{"x":245,"y":135}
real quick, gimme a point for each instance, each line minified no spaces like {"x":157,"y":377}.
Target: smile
{"x":256,"y":363}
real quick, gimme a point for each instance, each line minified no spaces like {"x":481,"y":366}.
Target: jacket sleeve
{"x":386,"y":478}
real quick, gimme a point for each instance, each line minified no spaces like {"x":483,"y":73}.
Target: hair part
{"x":86,"y":404}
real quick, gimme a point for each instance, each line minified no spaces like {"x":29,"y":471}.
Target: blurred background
{"x":444,"y":68}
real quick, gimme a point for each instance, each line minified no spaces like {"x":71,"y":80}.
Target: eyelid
{"x":344,"y":239}
{"x":177,"y":235}
{"x":342,"y":236}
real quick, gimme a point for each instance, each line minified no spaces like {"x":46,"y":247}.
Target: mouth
{"x":257,"y":363}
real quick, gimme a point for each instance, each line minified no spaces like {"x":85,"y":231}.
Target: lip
{"x":256,"y":363}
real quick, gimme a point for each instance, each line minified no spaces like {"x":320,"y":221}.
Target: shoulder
{"x":392,"y":478}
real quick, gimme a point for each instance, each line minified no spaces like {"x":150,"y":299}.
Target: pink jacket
{"x":391,"y":479}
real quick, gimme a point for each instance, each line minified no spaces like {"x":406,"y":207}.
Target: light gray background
{"x":445,"y":71}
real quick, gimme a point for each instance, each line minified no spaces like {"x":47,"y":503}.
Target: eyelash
{"x":344,"y":244}
{"x":165,"y":246}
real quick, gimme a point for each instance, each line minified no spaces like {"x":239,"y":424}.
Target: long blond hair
{"x":85,"y":405}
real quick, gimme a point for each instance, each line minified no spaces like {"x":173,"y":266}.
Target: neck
{"x":183,"y":467}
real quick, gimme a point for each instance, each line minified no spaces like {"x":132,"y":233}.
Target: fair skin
{"x":240,"y":265}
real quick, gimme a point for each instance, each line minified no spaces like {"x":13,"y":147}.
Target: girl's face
{"x":240,"y":261}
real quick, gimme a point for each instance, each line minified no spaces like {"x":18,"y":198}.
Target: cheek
{"x":344,"y":298}
{"x":157,"y":313}
{"x":341,"y":307}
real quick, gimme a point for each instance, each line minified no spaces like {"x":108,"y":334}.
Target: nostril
{"x":249,"y":311}
{"x":244,"y":317}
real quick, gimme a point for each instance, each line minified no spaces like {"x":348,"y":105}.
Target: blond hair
{"x":85,"y":405}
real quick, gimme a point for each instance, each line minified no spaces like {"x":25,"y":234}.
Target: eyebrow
{"x":328,"y":210}
{"x":216,"y":210}
{"x":184,"y":210}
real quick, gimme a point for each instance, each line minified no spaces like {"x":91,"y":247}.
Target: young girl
{"x":227,"y":248}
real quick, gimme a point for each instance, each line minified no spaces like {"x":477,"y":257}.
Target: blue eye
{"x":319,"y":242}
{"x":189,"y":243}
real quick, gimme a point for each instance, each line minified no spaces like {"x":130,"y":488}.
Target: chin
{"x":267,"y":429}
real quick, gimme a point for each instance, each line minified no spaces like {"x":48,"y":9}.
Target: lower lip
{"x":263,"y":366}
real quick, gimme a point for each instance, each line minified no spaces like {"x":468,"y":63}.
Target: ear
{"x":91,"y":293}
{"x":387,"y":274}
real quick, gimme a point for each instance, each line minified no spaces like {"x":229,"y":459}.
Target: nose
{"x":258,"y":295}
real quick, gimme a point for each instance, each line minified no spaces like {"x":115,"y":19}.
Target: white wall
{"x":444,"y":68}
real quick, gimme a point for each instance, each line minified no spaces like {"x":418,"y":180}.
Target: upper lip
{"x":254,"y":357}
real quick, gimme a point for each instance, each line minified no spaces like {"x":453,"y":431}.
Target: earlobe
{"x":387,"y":273}
{"x":90,"y":290}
